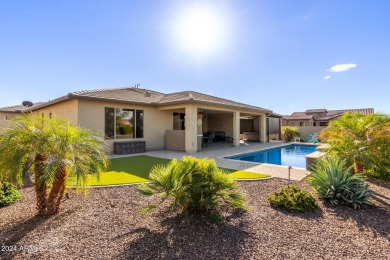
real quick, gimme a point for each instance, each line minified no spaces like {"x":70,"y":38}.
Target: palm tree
{"x":52,"y":150}
{"x":357,"y":138}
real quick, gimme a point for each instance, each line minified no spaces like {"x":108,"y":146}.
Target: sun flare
{"x":200,"y":29}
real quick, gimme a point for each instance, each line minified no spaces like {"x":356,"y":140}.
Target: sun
{"x":200,"y":29}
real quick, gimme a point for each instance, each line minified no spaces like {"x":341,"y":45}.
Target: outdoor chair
{"x":313,"y":139}
{"x":211,"y":137}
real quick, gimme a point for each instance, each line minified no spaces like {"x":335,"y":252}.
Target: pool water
{"x":291,"y":155}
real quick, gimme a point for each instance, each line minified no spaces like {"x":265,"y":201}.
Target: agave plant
{"x":194,"y":185}
{"x":335,"y":183}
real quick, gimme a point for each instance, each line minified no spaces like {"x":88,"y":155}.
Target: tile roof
{"x":18,"y":108}
{"x":131,"y":94}
{"x":312,"y":111}
{"x":193,"y":96}
{"x":149,"y":97}
{"x":330,"y":114}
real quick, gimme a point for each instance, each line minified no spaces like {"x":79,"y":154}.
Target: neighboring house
{"x":8,"y":113}
{"x":172,"y":121}
{"x":319,"y":117}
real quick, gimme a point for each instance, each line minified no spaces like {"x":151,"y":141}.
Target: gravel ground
{"x":106,"y":225}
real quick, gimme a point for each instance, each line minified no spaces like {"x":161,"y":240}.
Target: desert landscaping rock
{"x":106,"y":225}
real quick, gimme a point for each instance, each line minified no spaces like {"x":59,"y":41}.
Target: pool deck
{"x":219,"y":152}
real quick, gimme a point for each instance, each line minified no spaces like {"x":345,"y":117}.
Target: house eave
{"x":194,"y":101}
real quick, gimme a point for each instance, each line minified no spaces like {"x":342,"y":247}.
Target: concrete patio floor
{"x":219,"y":152}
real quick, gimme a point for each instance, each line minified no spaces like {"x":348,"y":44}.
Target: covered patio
{"x":202,"y":126}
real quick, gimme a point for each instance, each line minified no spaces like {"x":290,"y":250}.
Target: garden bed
{"x":106,"y":225}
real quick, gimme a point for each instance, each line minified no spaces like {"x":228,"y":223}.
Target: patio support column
{"x":263,"y":128}
{"x":236,"y":129}
{"x":191,"y":129}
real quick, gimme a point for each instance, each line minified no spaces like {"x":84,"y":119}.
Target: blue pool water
{"x":291,"y":155}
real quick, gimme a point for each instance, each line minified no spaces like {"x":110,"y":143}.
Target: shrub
{"x":363,"y":141}
{"x":8,"y":194}
{"x":289,"y":132}
{"x":336,"y":184}
{"x":293,"y":199}
{"x":194,"y":185}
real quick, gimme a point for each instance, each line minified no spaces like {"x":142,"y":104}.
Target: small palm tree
{"x":194,"y":185}
{"x":52,"y":150}
{"x":357,"y":138}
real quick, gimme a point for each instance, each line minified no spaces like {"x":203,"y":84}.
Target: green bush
{"x":362,"y":141}
{"x":336,"y":184}
{"x":293,"y":199}
{"x":193,"y":185}
{"x":8,"y":194}
{"x":289,"y":132}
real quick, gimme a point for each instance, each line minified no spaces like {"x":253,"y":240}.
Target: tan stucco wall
{"x":65,"y":110}
{"x":5,"y":116}
{"x":156,"y":122}
{"x":175,"y":140}
{"x":222,"y":123}
{"x":306,"y":131}
{"x":246,"y":125}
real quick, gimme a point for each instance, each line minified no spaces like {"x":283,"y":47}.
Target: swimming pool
{"x":291,"y":155}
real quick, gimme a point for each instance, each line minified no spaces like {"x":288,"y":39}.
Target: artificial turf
{"x":135,"y":169}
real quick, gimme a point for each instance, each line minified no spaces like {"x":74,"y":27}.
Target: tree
{"x":289,"y":132}
{"x":358,"y":139}
{"x":51,"y":150}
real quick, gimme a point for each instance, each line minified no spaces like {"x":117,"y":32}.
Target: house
{"x":10,"y":112}
{"x":173,"y":121}
{"x":319,"y":117}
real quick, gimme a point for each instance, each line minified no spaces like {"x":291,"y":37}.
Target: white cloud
{"x":342,"y":67}
{"x":327,"y":77}
{"x":291,"y":106}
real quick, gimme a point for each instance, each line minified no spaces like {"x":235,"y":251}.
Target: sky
{"x":285,"y":56}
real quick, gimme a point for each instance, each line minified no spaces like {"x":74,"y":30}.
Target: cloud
{"x":327,"y":77}
{"x":291,"y":106}
{"x":342,"y":67}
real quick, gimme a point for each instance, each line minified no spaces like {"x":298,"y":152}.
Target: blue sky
{"x":273,"y":54}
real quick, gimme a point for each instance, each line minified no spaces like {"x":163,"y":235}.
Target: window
{"x":178,"y":121}
{"x":124,"y":127}
{"x":109,"y":125}
{"x":323,"y":123}
{"x":139,"y":118}
{"x":123,"y":123}
{"x":302,"y":124}
{"x":314,"y":123}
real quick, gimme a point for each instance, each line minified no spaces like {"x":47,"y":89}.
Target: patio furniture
{"x":205,"y":141}
{"x":228,"y":139}
{"x":211,"y":137}
{"x":219,"y":136}
{"x":297,"y":139}
{"x":313,"y":139}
